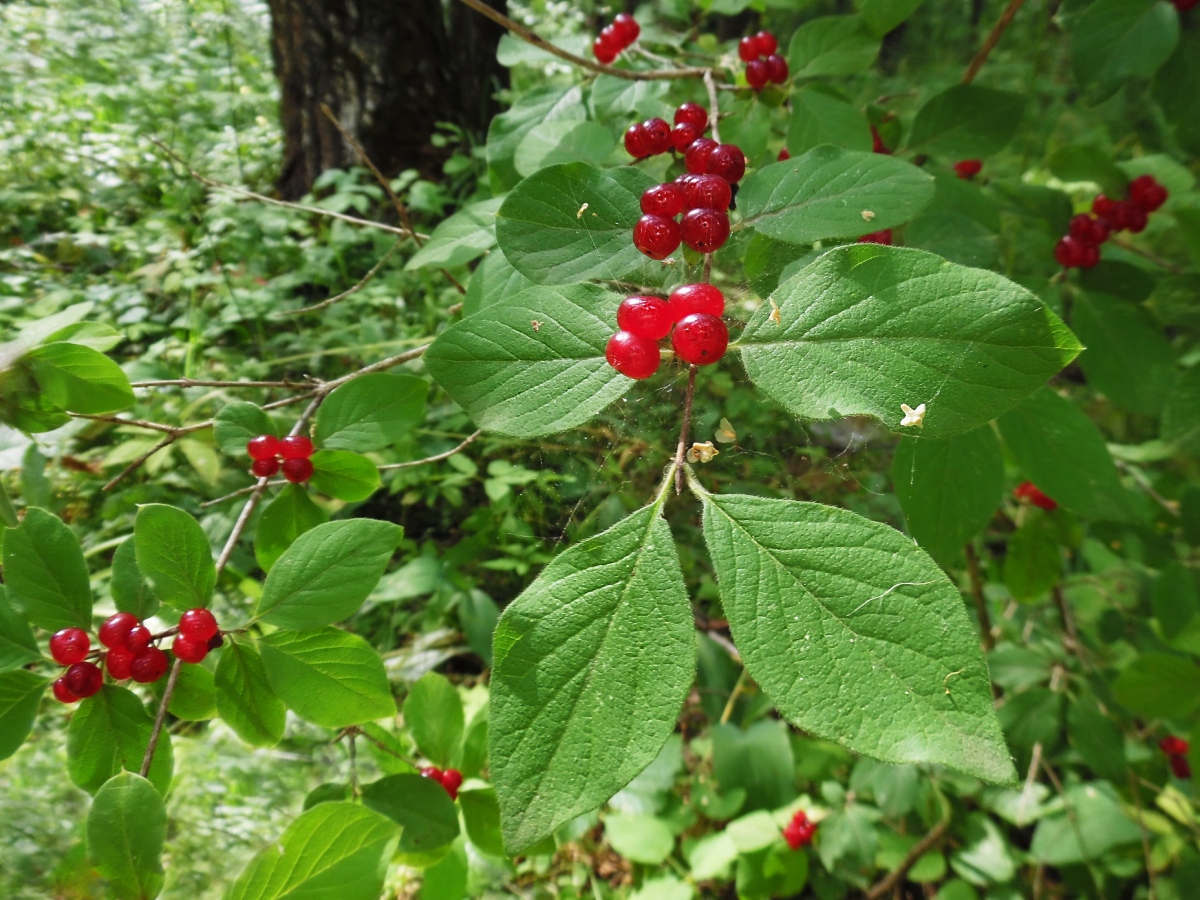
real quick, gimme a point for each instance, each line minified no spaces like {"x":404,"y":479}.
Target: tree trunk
{"x":389,"y":70}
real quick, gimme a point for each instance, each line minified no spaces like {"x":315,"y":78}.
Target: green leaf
{"x":530,"y":108}
{"x":1122,"y":339}
{"x":1179,"y":103}
{"x":481,"y":814}
{"x":1094,"y":824}
{"x":326,"y":574}
{"x":1159,"y":686}
{"x":1174,"y":599}
{"x":949,"y":489}
{"x":447,"y":879}
{"x":289,"y":515}
{"x":334,"y":851}
{"x":1181,"y":412}
{"x":985,"y":857}
{"x":195,"y":697}
{"x":237,"y":424}
{"x":98,"y":336}
{"x":327,"y":677}
{"x":548,"y":239}
{"x":592,"y":663}
{"x":174,"y":553}
{"x":20,"y":693}
{"x":643,"y":839}
{"x":966,"y":122}
{"x":469,"y":233}
{"x":344,"y":475}
{"x":1063,"y":453}
{"x":126,"y":829}
{"x":1033,"y":563}
{"x":371,"y":412}
{"x":45,"y":574}
{"x":109,"y":733}
{"x":881,"y":16}
{"x":80,"y":379}
{"x":563,"y":141}
{"x":1098,"y":740}
{"x":493,"y":281}
{"x":832,"y":45}
{"x":130,"y":591}
{"x":757,"y":761}
{"x":1087,"y":162}
{"x":433,"y":713}
{"x":420,"y":805}
{"x":528,"y":381}
{"x":866,"y":328}
{"x":17,"y":644}
{"x":854,"y":633}
{"x":956,"y":237}
{"x":824,"y":193}
{"x":1113,"y":40}
{"x":819,"y":117}
{"x":244,"y":697}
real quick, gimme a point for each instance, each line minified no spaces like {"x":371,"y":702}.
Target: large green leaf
{"x":493,"y":281}
{"x":327,"y":677}
{"x":126,"y":828}
{"x":80,"y":379}
{"x":174,"y":554}
{"x":344,"y":475}
{"x":832,"y":45}
{"x":1063,"y":453}
{"x":1181,"y":411}
{"x":244,"y":696}
{"x":1121,"y":339}
{"x":534,"y":365}
{"x":949,"y":489}
{"x":592,"y":663}
{"x":821,"y":117}
{"x":966,"y":122}
{"x":1093,"y":823}
{"x":237,"y":423}
{"x":530,"y":109}
{"x":469,"y":233}
{"x":20,"y":693}
{"x":288,"y":516}
{"x":17,"y":645}
{"x":550,"y":237}
{"x":832,"y":193}
{"x":1158,"y":685}
{"x":108,"y":734}
{"x":334,"y":851}
{"x":45,"y":574}
{"x":371,"y":412}
{"x":563,"y":141}
{"x":433,"y":713}
{"x":1112,"y":40}
{"x":866,"y":328}
{"x":481,"y":815}
{"x":854,"y":633}
{"x":881,"y":16}
{"x":130,"y":591}
{"x":421,"y":805}
{"x":326,"y":574}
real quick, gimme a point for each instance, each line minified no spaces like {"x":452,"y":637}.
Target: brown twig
{"x":1146,"y":254}
{"x":366,"y":279}
{"x":993,"y":38}
{"x":681,"y":450}
{"x":391,"y":467}
{"x":893,"y":878}
{"x":192,"y":382}
{"x":1068,"y":620}
{"x":975,"y":574}
{"x":156,"y":732}
{"x":117,"y":420}
{"x":714,"y":113}
{"x":1137,"y":805}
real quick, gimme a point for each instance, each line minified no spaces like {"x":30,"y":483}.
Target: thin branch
{"x":384,"y":364}
{"x":715,"y":112}
{"x":117,"y":420}
{"x":992,"y":39}
{"x":727,"y":645}
{"x":161,"y":445}
{"x":156,"y":732}
{"x":738,"y":688}
{"x":896,"y":876}
{"x":681,"y":450}
{"x":1137,"y":805}
{"x":1171,"y":506}
{"x":192,"y":382}
{"x":241,"y":492}
{"x":366,"y":279}
{"x":981,"y":610}
{"x":1146,"y":254}
{"x":391,"y":467}
{"x":1071,"y":641}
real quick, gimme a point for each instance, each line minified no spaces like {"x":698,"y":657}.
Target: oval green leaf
{"x":244,"y":697}
{"x":433,"y":713}
{"x":80,"y":379}
{"x":420,"y":805}
{"x":20,"y":693}
{"x":174,"y":554}
{"x":288,"y":516}
{"x":108,"y":734}
{"x":370,"y":412}
{"x":126,"y":828}
{"x":45,"y":575}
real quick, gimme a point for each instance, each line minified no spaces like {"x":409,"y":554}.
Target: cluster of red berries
{"x":799,"y":832}
{"x":1176,"y":750}
{"x":655,"y":136}
{"x":1080,"y":247}
{"x":129,"y":653}
{"x":614,"y":38}
{"x":763,"y":64}
{"x":451,"y":779}
{"x":966,"y":169}
{"x":691,"y":315}
{"x":294,"y":450}
{"x":1028,"y":493}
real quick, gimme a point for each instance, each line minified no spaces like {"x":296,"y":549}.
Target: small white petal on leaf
{"x":913,"y":416}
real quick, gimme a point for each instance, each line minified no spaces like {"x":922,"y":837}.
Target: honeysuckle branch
{"x":193,"y":382}
{"x":993,"y":38}
{"x":366,"y":279}
{"x":1146,"y":254}
{"x":714,"y":111}
{"x":681,"y":449}
{"x":975,"y":574}
{"x":893,"y":878}
{"x":392,"y":467}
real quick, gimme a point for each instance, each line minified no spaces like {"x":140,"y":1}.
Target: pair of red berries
{"x":1080,"y":248}
{"x":702,"y":200}
{"x":614,"y":38}
{"x":800,"y":831}
{"x":966,"y":169}
{"x":294,"y":450}
{"x":1027,"y":492}
{"x":655,"y":136}
{"x":763,"y":64}
{"x":451,"y":779}
{"x":1176,"y":750}
{"x":691,"y":315}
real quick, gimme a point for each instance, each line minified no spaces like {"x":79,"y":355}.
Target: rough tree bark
{"x":389,"y":69}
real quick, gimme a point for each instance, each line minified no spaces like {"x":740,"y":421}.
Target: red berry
{"x":604,"y":51}
{"x":664,"y":200}
{"x":265,"y":446}
{"x":1136,"y":219}
{"x":198,"y":624}
{"x":188,"y":649}
{"x":627,"y":28}
{"x":1091,"y":256}
{"x":799,"y":831}
{"x":62,"y":693}
{"x":877,"y":144}
{"x":432,"y":772}
{"x":1080,"y":227}
{"x":700,"y":339}
{"x":149,"y":666}
{"x":452,"y":780}
{"x":757,"y":74}
{"x":766,"y":43}
{"x":84,"y":679}
{"x":658,"y":135}
{"x":968,"y":168}
{"x":705,"y":230}
{"x":115,"y":630}
{"x":1103,"y":206}
{"x":611,"y":36}
{"x":656,"y":236}
{"x":1070,"y":252}
{"x":297,"y":471}
{"x":1027,"y":491}
{"x":707,"y":192}
{"x":295,"y":446}
{"x":1099,"y":231}
{"x":264,"y":468}
{"x":119,"y":662}
{"x":635,"y":141}
{"x":633,"y":356}
{"x":728,"y":161}
{"x":777,"y":69}
{"x":645,"y":317}
{"x":877,"y":237}
{"x":138,"y":639}
{"x":683,"y":134}
{"x":695,"y":157}
{"x":1173,"y":746}
{"x":1185,"y":5}
{"x":692,"y":114}
{"x":1179,"y":766}
{"x":695,"y":298}
{"x":1145,"y":192}
{"x":783,"y":155}
{"x":70,"y":646}
{"x":748,"y":49}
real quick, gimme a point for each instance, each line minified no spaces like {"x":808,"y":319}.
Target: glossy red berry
{"x":692,"y":114}
{"x":297,"y":471}
{"x":1070,"y":252}
{"x":432,"y":772}
{"x":728,"y":161}
{"x":1091,"y":256}
{"x":664,"y":200}
{"x":627,"y":28}
{"x":700,"y":339}
{"x":138,"y":639}
{"x":1174,"y":746}
{"x":1103,"y":206}
{"x":1027,"y":491}
{"x":747,"y":49}
{"x":188,"y":649}
{"x":635,"y":141}
{"x":452,"y":780}
{"x":878,"y":237}
{"x":968,"y":168}
{"x":295,"y":446}
{"x":199,"y":624}
{"x":264,"y":468}
{"x":1136,"y":219}
{"x":707,"y":192}
{"x":604,"y":51}
{"x":1146,"y":193}
{"x":633,"y":356}
{"x":682,"y":136}
{"x":695,"y":298}
{"x":777,"y":69}
{"x":645,"y":317}
{"x":695,"y":157}
{"x":1080,"y":227}
{"x":70,"y":646}
{"x":265,"y":446}
{"x":84,"y":679}
{"x":612,"y":37}
{"x":149,"y":666}
{"x":1180,"y":767}
{"x":799,"y":831}
{"x":115,"y":630}
{"x":1099,"y":231}
{"x":62,"y":693}
{"x":766,"y":42}
{"x":656,"y":236}
{"x":705,"y":230}
{"x":783,"y":155}
{"x":658,"y":135}
{"x":877,"y":144}
{"x":757,"y":74}
{"x":119,"y":663}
